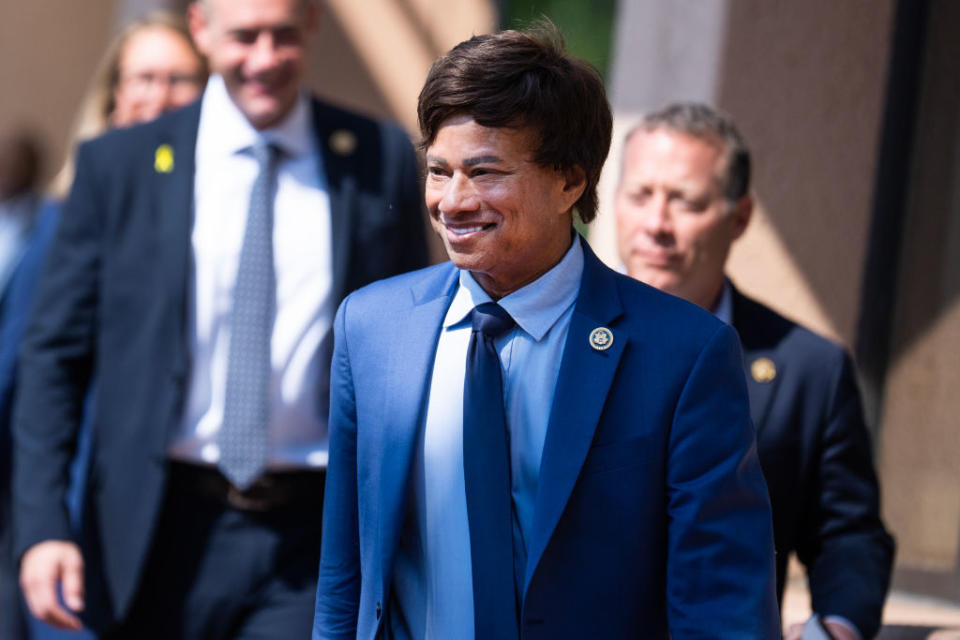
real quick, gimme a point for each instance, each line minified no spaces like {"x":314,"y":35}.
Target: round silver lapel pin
{"x":601,"y":338}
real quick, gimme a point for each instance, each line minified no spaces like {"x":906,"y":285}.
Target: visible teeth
{"x":462,"y":231}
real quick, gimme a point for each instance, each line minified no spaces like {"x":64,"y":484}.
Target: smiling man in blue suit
{"x":524,"y":443}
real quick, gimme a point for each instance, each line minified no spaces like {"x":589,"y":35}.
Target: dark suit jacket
{"x":651,"y":511}
{"x":114,"y":303}
{"x":816,"y":456}
{"x":15,"y":301}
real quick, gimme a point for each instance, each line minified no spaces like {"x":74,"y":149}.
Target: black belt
{"x":273,"y":491}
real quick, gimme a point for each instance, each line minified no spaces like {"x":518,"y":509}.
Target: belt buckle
{"x":239,"y":499}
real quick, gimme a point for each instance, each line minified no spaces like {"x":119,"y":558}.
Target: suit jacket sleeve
{"x":844,"y":545}
{"x":720,"y":554}
{"x":14,"y":311}
{"x":55,"y":365}
{"x":338,"y":587}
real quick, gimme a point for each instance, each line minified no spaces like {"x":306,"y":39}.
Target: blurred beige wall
{"x":921,"y":447}
{"x":371,"y":56}
{"x":374,"y":55}
{"x":50,"y":49}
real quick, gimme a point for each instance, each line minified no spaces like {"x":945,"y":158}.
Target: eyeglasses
{"x":150,"y":80}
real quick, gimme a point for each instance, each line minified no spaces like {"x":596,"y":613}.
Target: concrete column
{"x":919,"y":463}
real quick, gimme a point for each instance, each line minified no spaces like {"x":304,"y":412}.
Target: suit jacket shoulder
{"x":817,"y":458}
{"x":763,"y":330}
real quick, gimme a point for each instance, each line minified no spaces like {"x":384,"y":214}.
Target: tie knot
{"x":266,"y":153}
{"x":491,"y":319}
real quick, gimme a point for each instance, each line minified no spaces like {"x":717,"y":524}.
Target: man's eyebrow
{"x":490,"y":159}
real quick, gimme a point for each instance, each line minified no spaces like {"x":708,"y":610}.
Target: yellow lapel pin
{"x":763,"y":370}
{"x":343,"y":142}
{"x":163,"y":159}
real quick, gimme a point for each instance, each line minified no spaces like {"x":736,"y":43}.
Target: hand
{"x":45,"y":566}
{"x":838,"y":631}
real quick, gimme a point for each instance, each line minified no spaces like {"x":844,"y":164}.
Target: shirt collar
{"x":224,"y":130}
{"x":724,"y":308}
{"x":18,"y":208}
{"x":535,"y":307}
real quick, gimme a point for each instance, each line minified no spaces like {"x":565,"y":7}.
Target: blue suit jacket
{"x":816,"y":456}
{"x":113,"y":306}
{"x":651,"y":513}
{"x":14,"y":313}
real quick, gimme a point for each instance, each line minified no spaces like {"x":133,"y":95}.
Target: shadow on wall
{"x":340,"y":75}
{"x":929,"y":262}
{"x":805,"y":83}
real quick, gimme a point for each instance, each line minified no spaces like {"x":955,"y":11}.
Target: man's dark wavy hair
{"x":521,"y":79}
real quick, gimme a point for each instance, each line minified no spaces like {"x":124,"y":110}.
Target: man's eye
{"x":287,"y":36}
{"x":245,"y":36}
{"x":693,"y":205}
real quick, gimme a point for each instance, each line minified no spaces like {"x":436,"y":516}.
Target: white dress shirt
{"x":16,"y":214}
{"x":225,"y":173}
{"x":433,"y":588}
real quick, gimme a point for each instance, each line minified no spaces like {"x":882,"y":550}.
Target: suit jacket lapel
{"x":338,"y":176}
{"x":585,"y":377}
{"x":411,"y":360}
{"x":173,"y":167}
{"x":759,"y":389}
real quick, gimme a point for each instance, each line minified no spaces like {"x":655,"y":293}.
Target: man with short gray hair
{"x":683,"y":198}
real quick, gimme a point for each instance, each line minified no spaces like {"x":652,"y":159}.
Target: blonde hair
{"x":93,"y":116}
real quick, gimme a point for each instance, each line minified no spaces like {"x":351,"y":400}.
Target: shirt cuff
{"x":844,"y":623}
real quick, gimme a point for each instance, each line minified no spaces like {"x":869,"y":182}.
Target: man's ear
{"x":198,"y":21}
{"x":574,"y":184}
{"x":742,"y":212}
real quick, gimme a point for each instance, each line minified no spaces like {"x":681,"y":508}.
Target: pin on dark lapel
{"x":343,"y":142}
{"x":763,"y":370}
{"x":601,"y":338}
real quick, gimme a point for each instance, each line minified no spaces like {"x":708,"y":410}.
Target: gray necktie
{"x":243,"y":435}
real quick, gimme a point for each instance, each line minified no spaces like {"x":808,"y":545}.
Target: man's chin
{"x":659,"y":278}
{"x":263,"y":111}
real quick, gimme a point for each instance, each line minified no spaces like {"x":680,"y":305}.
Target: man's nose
{"x":263,"y":54}
{"x":656,"y":216}
{"x":459,"y":195}
{"x":165,"y":96}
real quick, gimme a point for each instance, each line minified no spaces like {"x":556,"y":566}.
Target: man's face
{"x":501,"y":216}
{"x":674,"y":224}
{"x":158,"y":71}
{"x":260,"y":47}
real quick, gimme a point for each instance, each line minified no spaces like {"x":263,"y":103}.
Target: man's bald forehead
{"x":208,"y":5}
{"x":303,"y":3}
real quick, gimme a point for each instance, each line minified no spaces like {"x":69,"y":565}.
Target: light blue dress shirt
{"x":432,"y":591}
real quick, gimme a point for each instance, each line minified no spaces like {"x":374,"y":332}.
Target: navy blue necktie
{"x":246,"y":411}
{"x":486,"y":469}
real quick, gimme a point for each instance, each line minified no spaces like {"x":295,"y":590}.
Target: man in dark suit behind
{"x":523,"y":442}
{"x":683,"y":198}
{"x":194,"y":276}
